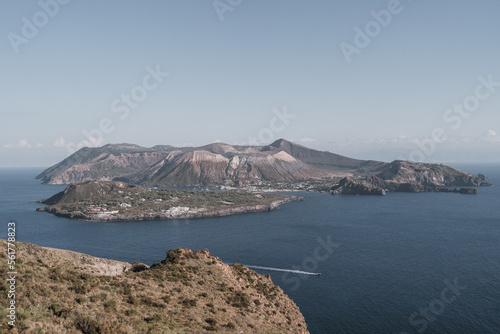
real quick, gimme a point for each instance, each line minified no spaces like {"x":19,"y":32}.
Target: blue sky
{"x":228,"y":79}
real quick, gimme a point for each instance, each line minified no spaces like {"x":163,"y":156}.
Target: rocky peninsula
{"x":404,"y":176}
{"x":119,"y":201}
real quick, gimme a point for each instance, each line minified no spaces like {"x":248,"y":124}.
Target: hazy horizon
{"x":378,"y":80}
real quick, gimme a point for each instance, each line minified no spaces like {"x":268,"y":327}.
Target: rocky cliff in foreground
{"x":60,"y":291}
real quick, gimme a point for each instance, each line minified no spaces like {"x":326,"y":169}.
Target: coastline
{"x":193,"y":213}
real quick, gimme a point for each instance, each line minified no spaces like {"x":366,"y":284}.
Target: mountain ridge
{"x":221,"y":164}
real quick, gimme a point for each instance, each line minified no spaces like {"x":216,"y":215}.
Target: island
{"x":119,"y":201}
{"x":404,"y":176}
{"x":279,"y":166}
{"x":189,"y":291}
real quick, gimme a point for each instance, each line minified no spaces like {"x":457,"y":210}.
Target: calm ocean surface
{"x":385,"y":274}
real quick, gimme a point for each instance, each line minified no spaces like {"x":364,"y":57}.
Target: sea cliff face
{"x":428,"y":175}
{"x":403,"y":176}
{"x":188,"y":292}
{"x":348,"y":186}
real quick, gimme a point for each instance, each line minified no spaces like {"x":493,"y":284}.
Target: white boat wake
{"x":284,"y":270}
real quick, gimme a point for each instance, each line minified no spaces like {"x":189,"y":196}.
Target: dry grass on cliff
{"x":189,"y":292}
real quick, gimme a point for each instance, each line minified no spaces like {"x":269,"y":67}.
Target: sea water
{"x":400,"y":263}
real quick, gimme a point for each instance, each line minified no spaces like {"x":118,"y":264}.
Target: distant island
{"x":187,"y":292}
{"x":282,"y":165}
{"x":119,"y":201}
{"x":404,"y":176}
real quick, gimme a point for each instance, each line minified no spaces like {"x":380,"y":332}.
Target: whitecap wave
{"x":284,"y":270}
